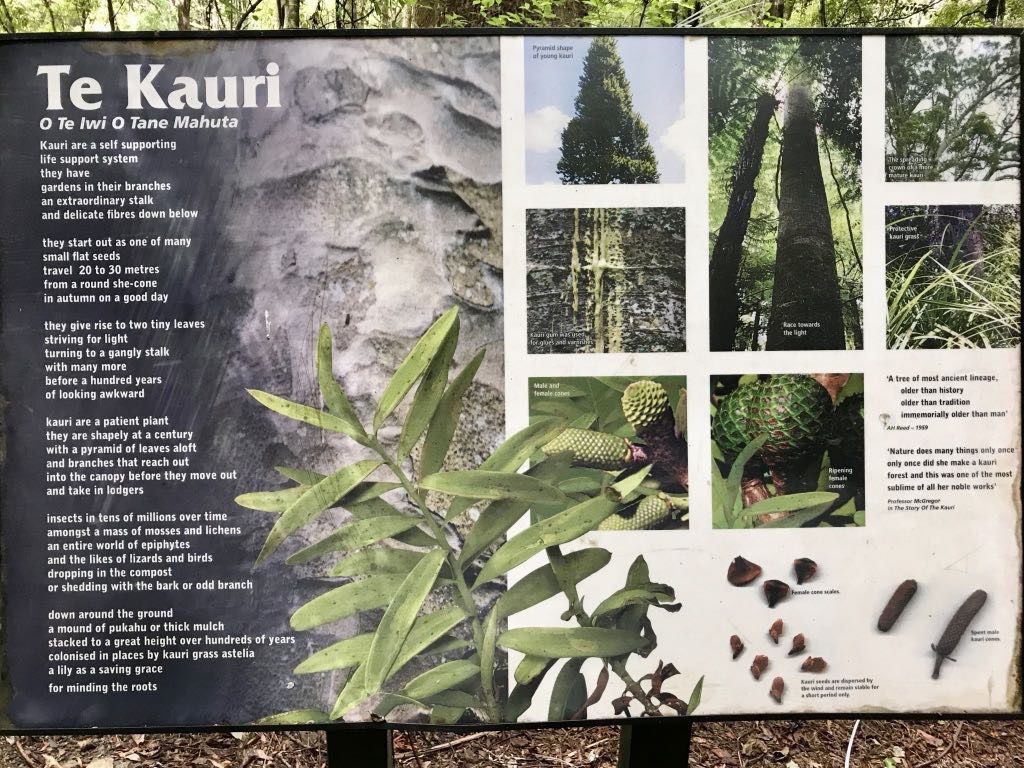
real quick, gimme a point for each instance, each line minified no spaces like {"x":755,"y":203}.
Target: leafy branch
{"x":403,"y":559}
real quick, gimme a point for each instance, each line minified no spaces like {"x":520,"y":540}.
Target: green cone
{"x":652,"y":511}
{"x":794,"y":410}
{"x":731,"y":425}
{"x":643,"y":403}
{"x":597,"y":450}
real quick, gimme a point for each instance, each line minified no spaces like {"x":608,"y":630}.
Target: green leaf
{"x":353,"y":693}
{"x":499,"y":516}
{"x":398,"y":619}
{"x":542,"y":584}
{"x":442,"y":715}
{"x":512,"y":454}
{"x":649,"y":594}
{"x":522,"y":695}
{"x":441,"y":678}
{"x":569,"y":692}
{"x":558,"y":529}
{"x":797,"y":519}
{"x":621,"y":490}
{"x":330,"y":389}
{"x":320,"y":497}
{"x":530,"y":667}
{"x":340,"y":655}
{"x":492,"y":524}
{"x":694,"y":702}
{"x":428,"y":394}
{"x":721,"y":504}
{"x":427,"y":630}
{"x":391,"y":701}
{"x":374,"y":592}
{"x":271,"y":501}
{"x":296,"y":717}
{"x":790,"y":503}
{"x":459,"y":699}
{"x":314,"y":416}
{"x":366,"y":491}
{"x":377,"y":560}
{"x":354,"y":535}
{"x":484,"y":484}
{"x":734,"y":482}
{"x":557,"y":643}
{"x":300,"y":476}
{"x":446,"y":418}
{"x":413,"y":366}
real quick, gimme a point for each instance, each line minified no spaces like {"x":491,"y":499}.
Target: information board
{"x":491,"y":378}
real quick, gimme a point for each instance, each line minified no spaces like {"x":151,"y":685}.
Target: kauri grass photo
{"x":953,"y":276}
{"x":419,"y":542}
{"x":788,"y":450}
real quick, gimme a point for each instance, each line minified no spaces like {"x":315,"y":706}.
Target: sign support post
{"x":370,"y":747}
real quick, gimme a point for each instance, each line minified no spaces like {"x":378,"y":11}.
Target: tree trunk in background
{"x":806,"y":312}
{"x":111,"y":16}
{"x":184,"y":14}
{"x":6,"y":19}
{"x":728,"y":251}
{"x":293,"y":14}
{"x":994,"y":10}
{"x":955,"y":236}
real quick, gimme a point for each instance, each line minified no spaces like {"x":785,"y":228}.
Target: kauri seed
{"x":737,"y":646}
{"x":814,"y":664}
{"x":778,"y":686}
{"x":775,"y":631}
{"x":759,"y":666}
{"x":798,"y":645}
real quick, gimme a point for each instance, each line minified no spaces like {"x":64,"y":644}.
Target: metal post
{"x":645,"y":744}
{"x":354,"y":747}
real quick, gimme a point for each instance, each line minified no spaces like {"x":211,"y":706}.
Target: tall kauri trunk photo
{"x":806,"y":312}
{"x":728,"y":250}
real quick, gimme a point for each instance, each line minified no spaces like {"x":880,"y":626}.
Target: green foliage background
{"x":132,"y":15}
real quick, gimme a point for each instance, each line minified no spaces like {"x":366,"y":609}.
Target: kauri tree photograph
{"x":785,"y":193}
{"x":591,"y":117}
{"x":953,"y":276}
{"x":952,"y":109}
{"x":787,"y":450}
{"x":605,"y":280}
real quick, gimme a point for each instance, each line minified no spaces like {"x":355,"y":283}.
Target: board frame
{"x":654,"y":735}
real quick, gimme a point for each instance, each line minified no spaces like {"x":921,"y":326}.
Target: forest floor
{"x":754,"y":744}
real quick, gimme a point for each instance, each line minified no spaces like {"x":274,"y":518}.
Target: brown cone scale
{"x":742,"y":571}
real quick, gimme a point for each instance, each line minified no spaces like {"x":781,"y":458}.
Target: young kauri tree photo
{"x":606,"y":141}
